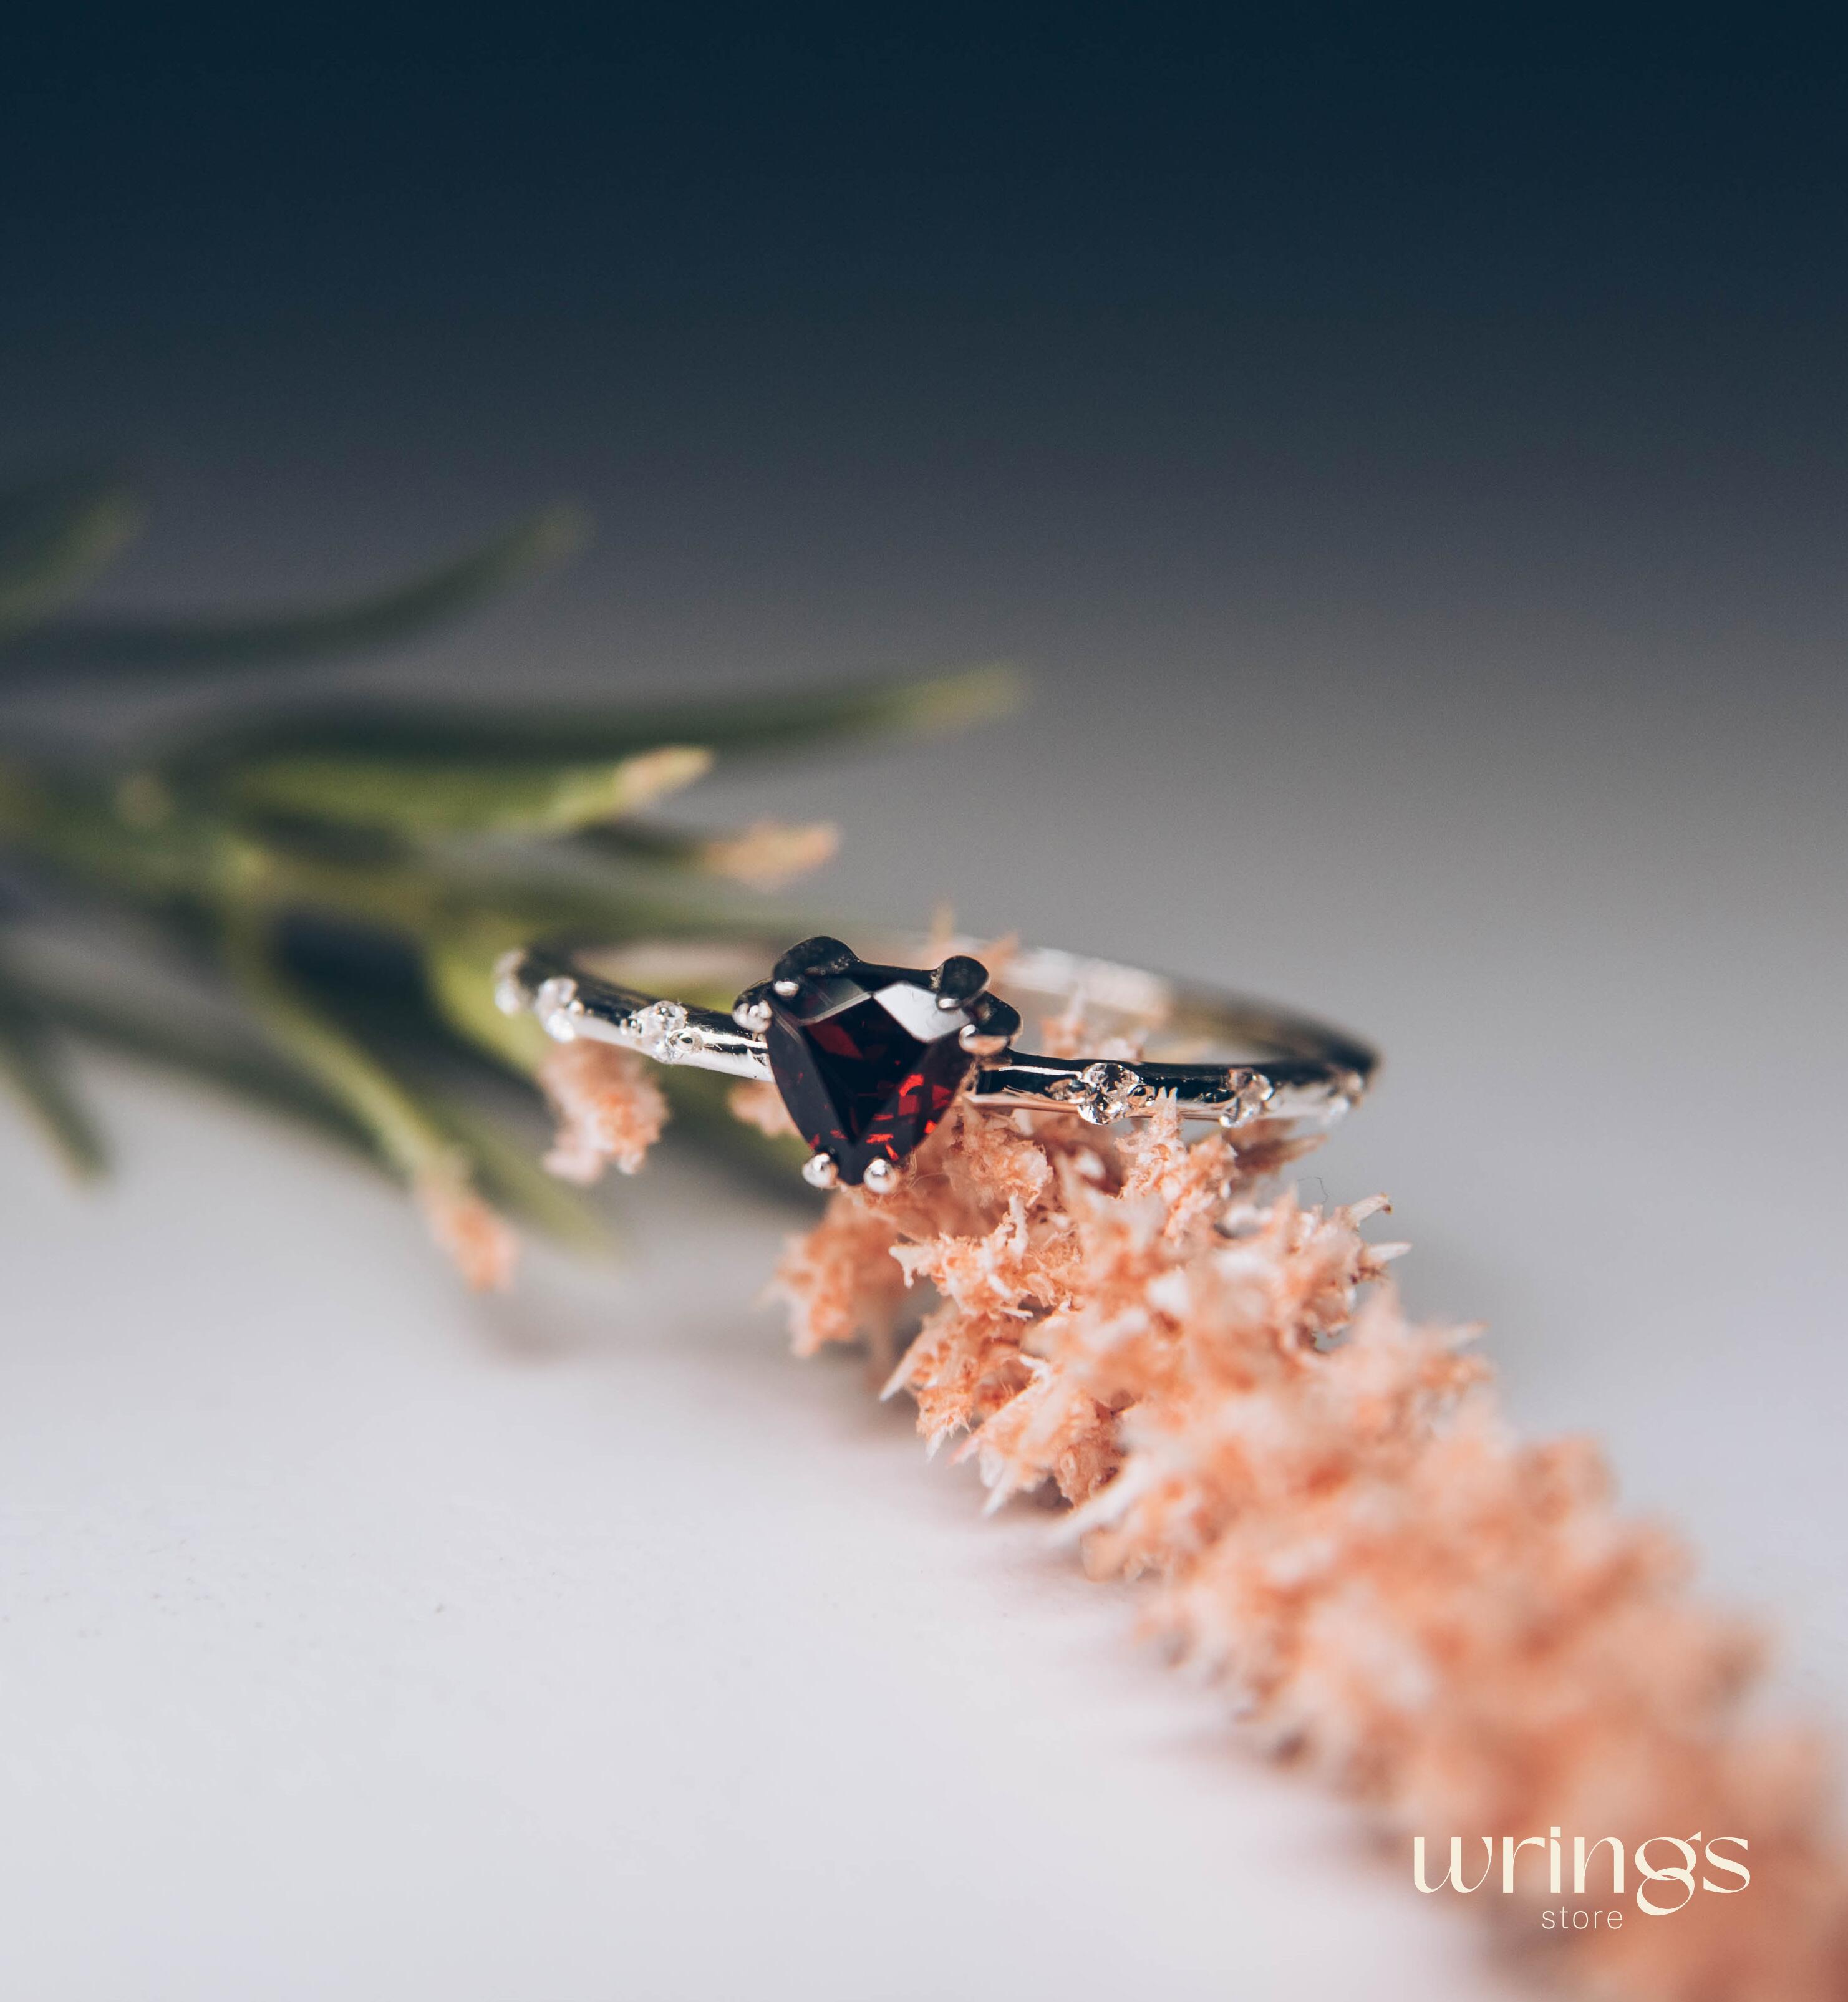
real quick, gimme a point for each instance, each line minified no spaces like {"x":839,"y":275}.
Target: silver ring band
{"x":1213,"y":1054}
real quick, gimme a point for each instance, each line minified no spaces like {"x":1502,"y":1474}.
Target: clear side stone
{"x":557,"y":1007}
{"x":510,"y":997}
{"x":661,"y":1031}
{"x":1102,"y":1093}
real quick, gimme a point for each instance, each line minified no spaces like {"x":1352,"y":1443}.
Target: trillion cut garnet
{"x":866,"y":1071}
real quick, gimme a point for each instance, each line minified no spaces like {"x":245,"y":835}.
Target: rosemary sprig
{"x":87,"y":533}
{"x":54,"y":537}
{"x":31,"y":1062}
{"x":337,"y":878}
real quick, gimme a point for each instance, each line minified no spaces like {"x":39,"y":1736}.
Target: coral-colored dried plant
{"x":1329,"y":1514}
{"x":609,"y":1109}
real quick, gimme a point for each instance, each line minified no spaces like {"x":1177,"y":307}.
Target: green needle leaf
{"x":732,"y":726}
{"x":225,"y":646}
{"x":428,"y":799}
{"x":204,"y":1055}
{"x":509,"y":1175}
{"x":459,"y":966}
{"x":401,"y":1127}
{"x":514,"y":1182}
{"x":54,"y":537}
{"x":31,"y":1063}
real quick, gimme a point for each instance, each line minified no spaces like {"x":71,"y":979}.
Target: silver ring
{"x":869,"y":1054}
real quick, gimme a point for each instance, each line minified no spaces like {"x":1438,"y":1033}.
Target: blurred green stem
{"x":30,"y":1062}
{"x":408,"y":1137}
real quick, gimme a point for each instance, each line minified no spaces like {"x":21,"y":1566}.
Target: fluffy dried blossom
{"x":1454,"y":1625}
{"x":475,"y":1235}
{"x":769,"y":853}
{"x":759,"y":1104}
{"x":840,"y":1279}
{"x":609,"y":1109}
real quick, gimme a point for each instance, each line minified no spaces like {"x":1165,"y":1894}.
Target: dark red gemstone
{"x":866,"y":1075}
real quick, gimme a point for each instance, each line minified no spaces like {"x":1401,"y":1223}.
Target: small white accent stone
{"x":557,"y":1007}
{"x":660,"y":1030}
{"x":1251,"y":1093}
{"x":1102,"y":1092}
{"x":510,"y":997}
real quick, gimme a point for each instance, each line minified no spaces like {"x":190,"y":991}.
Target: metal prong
{"x":994,"y":1016}
{"x":820,"y":955}
{"x":958,"y":980}
{"x":981,"y":1042}
{"x":821,"y":1171}
{"x":881,"y":1176}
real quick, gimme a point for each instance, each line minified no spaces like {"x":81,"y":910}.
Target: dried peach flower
{"x":759,"y":1104}
{"x":769,"y":853}
{"x":608,"y":1108}
{"x":1336,"y":1524}
{"x":476,"y":1237}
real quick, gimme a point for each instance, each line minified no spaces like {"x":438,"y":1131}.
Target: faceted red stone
{"x":866,"y":1075}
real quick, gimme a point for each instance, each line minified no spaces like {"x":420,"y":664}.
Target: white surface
{"x":361,"y":1641}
